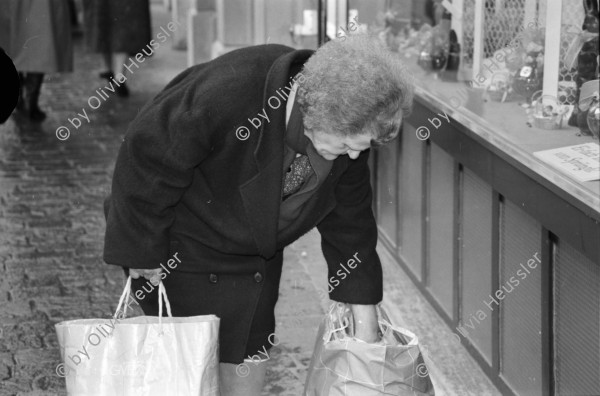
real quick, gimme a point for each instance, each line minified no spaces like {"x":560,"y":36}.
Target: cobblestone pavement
{"x":52,"y":226}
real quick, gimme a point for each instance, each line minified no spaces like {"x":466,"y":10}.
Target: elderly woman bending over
{"x":236,"y":159}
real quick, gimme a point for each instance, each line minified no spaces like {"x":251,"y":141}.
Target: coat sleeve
{"x":349,"y":239}
{"x":154,"y":168}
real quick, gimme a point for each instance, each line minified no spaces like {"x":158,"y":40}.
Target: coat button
{"x":258,"y":277}
{"x":213,"y":278}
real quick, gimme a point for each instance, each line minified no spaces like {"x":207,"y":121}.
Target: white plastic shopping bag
{"x":344,"y":366}
{"x":146,"y":355}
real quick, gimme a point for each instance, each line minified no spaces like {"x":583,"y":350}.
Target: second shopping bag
{"x":344,"y":366}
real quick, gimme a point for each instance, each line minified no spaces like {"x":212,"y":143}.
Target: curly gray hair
{"x":355,"y":86}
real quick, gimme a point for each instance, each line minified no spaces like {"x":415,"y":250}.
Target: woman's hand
{"x":153,"y":275}
{"x":366,"y":325}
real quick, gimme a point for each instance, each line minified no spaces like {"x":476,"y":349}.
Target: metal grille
{"x":572,"y":19}
{"x":577,"y":323}
{"x":520,"y":310}
{"x":542,"y":6}
{"x":503,"y":20}
{"x":468,"y":25}
{"x":572,"y":12}
{"x":476,"y":259}
{"x":441,"y":228}
{"x":411,"y":190}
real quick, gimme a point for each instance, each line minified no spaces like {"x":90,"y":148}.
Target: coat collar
{"x":261,"y":195}
{"x":279,"y":81}
{"x":294,"y":134}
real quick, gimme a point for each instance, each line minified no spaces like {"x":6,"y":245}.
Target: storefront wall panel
{"x":441,"y":222}
{"x":412,"y":198}
{"x":577,"y":322}
{"x":476,"y":259}
{"x":518,"y":298}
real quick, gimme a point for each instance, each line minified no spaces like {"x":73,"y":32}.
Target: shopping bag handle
{"x":340,"y":323}
{"x":125,"y":296}
{"x":402,"y":335}
{"x":162,"y":293}
{"x":124,"y":299}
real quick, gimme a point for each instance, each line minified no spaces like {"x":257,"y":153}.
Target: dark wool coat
{"x":184,"y":182}
{"x":39,"y":35}
{"x":117,"y":25}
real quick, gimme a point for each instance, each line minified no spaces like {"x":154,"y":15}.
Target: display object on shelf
{"x":434,"y":52}
{"x":593,"y":118}
{"x":570,"y":37}
{"x":394,"y":30}
{"x":546,"y":112}
{"x":530,"y":77}
{"x":500,"y":87}
{"x":587,"y":59}
{"x":450,"y":73}
{"x":589,"y":111}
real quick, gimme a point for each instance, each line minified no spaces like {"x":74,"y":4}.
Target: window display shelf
{"x":503,"y":127}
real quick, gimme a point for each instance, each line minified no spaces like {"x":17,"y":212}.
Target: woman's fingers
{"x":153,"y":275}
{"x":134,"y":273}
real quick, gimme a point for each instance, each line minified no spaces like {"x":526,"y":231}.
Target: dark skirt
{"x":117,"y":25}
{"x":192,"y":294}
{"x":39,"y":35}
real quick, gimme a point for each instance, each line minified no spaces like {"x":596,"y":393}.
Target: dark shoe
{"x":31,"y":84}
{"x":22,"y":93}
{"x":36,"y":114}
{"x":34,"y":86}
{"x":106,"y":75}
{"x":120,"y":89}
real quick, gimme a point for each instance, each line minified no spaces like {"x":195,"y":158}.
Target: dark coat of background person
{"x":9,"y":81}
{"x":185,"y":184}
{"x":117,"y":25}
{"x":39,"y":35}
